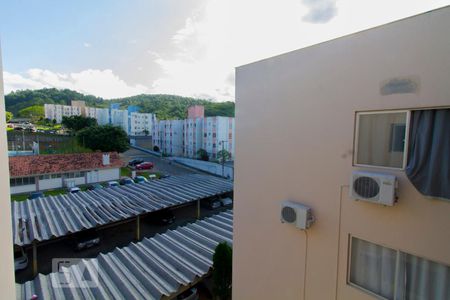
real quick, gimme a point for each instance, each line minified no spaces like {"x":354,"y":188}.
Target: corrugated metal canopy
{"x":55,"y":216}
{"x":149,"y":269}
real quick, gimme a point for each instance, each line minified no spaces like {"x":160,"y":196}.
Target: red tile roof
{"x":20,"y":166}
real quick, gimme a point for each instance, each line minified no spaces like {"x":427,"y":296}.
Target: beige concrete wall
{"x":295,"y":122}
{"x":7,"y":286}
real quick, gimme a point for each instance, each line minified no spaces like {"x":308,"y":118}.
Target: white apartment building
{"x":218,"y":134}
{"x":192,"y":133}
{"x":100,"y":114}
{"x":168,"y":136}
{"x":119,"y":117}
{"x":140,"y":123}
{"x":58,"y":111}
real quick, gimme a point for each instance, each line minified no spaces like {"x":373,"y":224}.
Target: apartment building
{"x":57,"y":111}
{"x":100,"y":114}
{"x":192,"y":136}
{"x":376,"y":101}
{"x":140,"y":123}
{"x":167,"y":135}
{"x":218,"y":134}
{"x":119,"y":117}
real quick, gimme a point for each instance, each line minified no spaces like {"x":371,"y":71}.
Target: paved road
{"x":161,"y":164}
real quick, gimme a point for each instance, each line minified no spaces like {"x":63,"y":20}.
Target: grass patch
{"x":55,"y":192}
{"x":19,"y":197}
{"x":125,"y":171}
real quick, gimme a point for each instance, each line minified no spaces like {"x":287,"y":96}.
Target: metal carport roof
{"x":55,"y":216}
{"x":151,"y":269}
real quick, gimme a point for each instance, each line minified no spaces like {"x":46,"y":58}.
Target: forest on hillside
{"x":164,"y":106}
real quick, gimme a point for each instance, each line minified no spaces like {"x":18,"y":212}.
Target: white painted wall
{"x":108,"y":174}
{"x":47,"y":184}
{"x":23,"y":189}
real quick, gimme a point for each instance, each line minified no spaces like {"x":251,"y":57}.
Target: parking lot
{"x":162,"y":165}
{"x":116,"y":235}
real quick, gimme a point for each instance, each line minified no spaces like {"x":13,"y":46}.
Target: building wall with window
{"x":119,"y":117}
{"x":100,"y":114}
{"x":44,"y":182}
{"x":218,"y":134}
{"x":140,"y":123}
{"x":193,"y":131}
{"x":299,"y":145}
{"x":57,"y":112}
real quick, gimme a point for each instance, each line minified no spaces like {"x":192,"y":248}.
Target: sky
{"x":115,"y":49}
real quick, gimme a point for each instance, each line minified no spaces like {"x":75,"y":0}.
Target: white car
{"x":74,"y":190}
{"x":226,"y":201}
{"x":20,"y":259}
{"x":112,"y":183}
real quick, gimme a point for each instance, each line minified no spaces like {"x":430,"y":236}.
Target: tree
{"x":104,"y":138}
{"x":34,"y":113}
{"x":156,"y":148}
{"x":145,"y":132}
{"x":9,"y":116}
{"x":76,"y":123}
{"x":222,"y":270}
{"x":202,"y":154}
{"x":223,"y":155}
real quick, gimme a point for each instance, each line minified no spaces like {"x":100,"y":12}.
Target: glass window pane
{"x":372,"y":267}
{"x":420,"y":278}
{"x":381,"y":139}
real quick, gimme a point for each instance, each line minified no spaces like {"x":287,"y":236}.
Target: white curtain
{"x":373,"y":267}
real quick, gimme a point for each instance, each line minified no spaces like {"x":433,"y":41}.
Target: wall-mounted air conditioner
{"x":296,"y":214}
{"x":373,"y":187}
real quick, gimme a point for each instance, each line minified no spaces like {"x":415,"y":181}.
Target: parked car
{"x":35,"y":195}
{"x":20,"y":258}
{"x":152,"y":176}
{"x":85,"y":240}
{"x":164,"y":176}
{"x":95,"y":186}
{"x":144,"y":166}
{"x":134,"y":162}
{"x":212,"y":203}
{"x":73,"y":190}
{"x":226,"y":201}
{"x":190,"y":294}
{"x":126,"y":180}
{"x":162,"y":217}
{"x":112,"y":183}
{"x":140,"y":179}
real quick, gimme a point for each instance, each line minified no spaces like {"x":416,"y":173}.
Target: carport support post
{"x":198,"y":209}
{"x":138,"y":228}
{"x":35,"y":263}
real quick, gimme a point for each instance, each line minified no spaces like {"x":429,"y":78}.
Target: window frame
{"x":356,"y":136}
{"x":398,"y":251}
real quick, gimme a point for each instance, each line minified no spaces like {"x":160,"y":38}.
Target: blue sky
{"x":189,"y":47}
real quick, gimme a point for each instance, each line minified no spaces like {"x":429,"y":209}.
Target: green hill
{"x":165,"y":106}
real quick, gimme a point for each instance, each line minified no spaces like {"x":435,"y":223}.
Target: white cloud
{"x":87,"y":45}
{"x":221,"y":35}
{"x":103,"y":83}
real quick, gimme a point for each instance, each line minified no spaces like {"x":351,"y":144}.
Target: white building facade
{"x":218,"y":134}
{"x":168,"y":137}
{"x":57,"y":111}
{"x":192,"y":136}
{"x":140,"y":124}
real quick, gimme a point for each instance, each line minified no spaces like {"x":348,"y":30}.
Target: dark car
{"x":212,"y":203}
{"x":95,"y":186}
{"x":162,"y":217}
{"x":134,"y":162}
{"x":85,"y":240}
{"x":164,"y":176}
{"x":126,"y":180}
{"x":35,"y":195}
{"x":144,"y":166}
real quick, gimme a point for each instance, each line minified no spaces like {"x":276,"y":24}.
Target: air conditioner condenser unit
{"x":296,"y":214}
{"x":373,"y":187}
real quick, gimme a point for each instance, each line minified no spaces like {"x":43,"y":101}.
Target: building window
{"x":395,"y":274}
{"x":21,"y":181}
{"x":381,"y":139}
